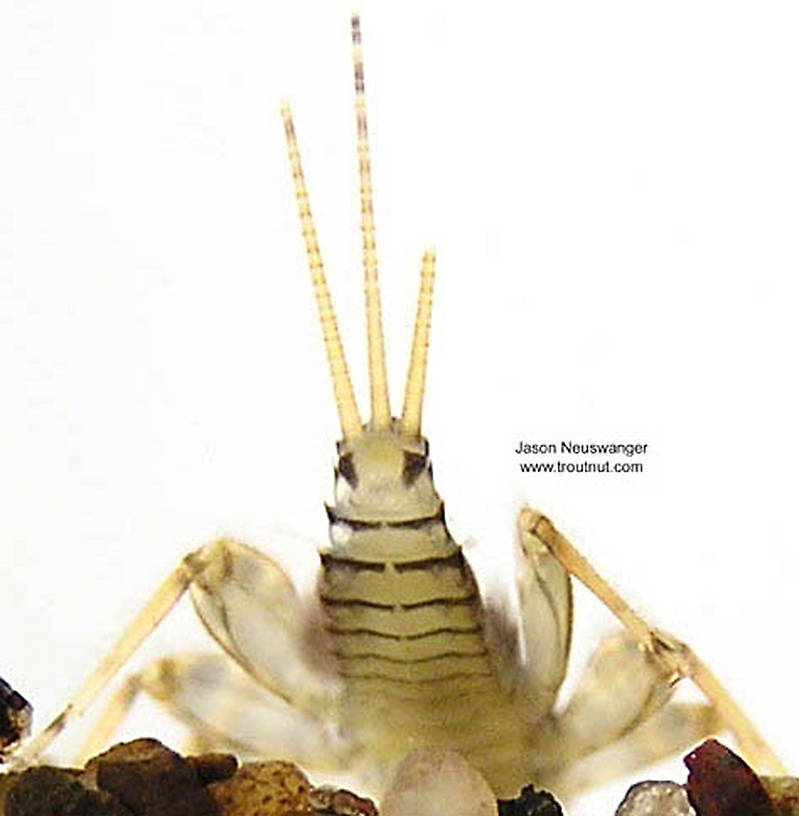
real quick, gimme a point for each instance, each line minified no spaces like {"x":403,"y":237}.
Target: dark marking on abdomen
{"x":355,"y":602}
{"x":444,"y":678}
{"x":442,"y":630}
{"x":417,"y":523}
{"x":470,"y":600}
{"x":337,"y":562}
{"x":407,"y":661}
{"x":455,"y":560}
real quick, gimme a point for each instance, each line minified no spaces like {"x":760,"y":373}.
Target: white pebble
{"x":437,"y":782}
{"x":656,"y":799}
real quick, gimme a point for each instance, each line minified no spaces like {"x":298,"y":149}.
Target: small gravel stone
{"x":326,"y":800}
{"x":213,"y":767}
{"x":530,"y":802}
{"x":784,"y":793}
{"x":437,"y":782}
{"x":720,"y":783}
{"x":15,"y":716}
{"x":150,"y":778}
{"x":263,"y":789}
{"x":656,"y":799}
{"x":7,"y":781}
{"x":49,"y":791}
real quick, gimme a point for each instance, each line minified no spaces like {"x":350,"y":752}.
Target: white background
{"x":612,"y":191}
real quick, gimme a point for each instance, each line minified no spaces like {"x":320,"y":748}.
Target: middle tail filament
{"x":378,"y":380}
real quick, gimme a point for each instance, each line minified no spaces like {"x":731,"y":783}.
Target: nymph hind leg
{"x":662,"y":653}
{"x":225,"y":709}
{"x":249,"y":606}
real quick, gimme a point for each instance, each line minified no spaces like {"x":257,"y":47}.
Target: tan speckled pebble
{"x":437,"y":782}
{"x":263,"y":789}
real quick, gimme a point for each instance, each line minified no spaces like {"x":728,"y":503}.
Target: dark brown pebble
{"x":7,"y":781}
{"x":213,"y":767}
{"x":150,"y":778}
{"x":720,"y":783}
{"x":15,"y":716}
{"x":48,"y":791}
{"x":530,"y":802}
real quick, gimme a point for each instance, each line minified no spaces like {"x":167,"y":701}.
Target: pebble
{"x":656,"y":799}
{"x":213,"y":767}
{"x":530,"y":802}
{"x":48,"y":791}
{"x":151,"y":779}
{"x":720,"y":783}
{"x":326,"y":800}
{"x":263,"y":789}
{"x":7,"y":782}
{"x":784,"y":793}
{"x":15,"y":716}
{"x":437,"y":782}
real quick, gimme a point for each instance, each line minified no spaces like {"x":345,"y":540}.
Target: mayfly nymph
{"x":400,"y":650}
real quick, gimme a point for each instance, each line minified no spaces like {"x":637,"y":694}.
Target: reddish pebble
{"x":720,"y":783}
